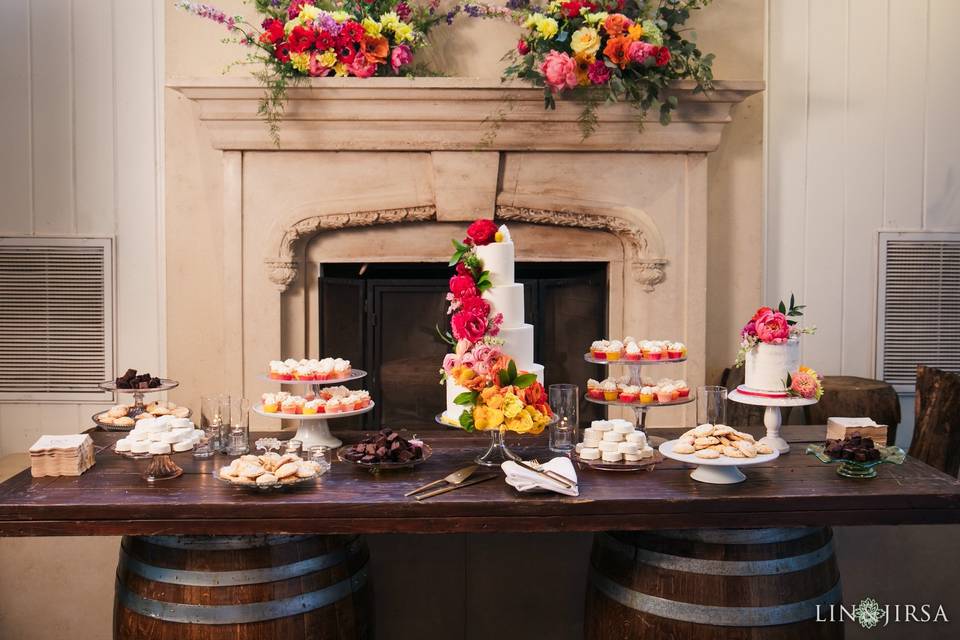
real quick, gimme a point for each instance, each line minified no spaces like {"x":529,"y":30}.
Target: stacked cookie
{"x":711,"y":441}
{"x":269,"y":469}
{"x":614,"y":441}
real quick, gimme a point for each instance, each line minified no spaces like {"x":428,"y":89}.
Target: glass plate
{"x":639,"y":405}
{"x":112,"y":427}
{"x":355,"y":374}
{"x":854,"y":469}
{"x":280,"y":486}
{"x":600,"y":465}
{"x":384,"y":466}
{"x":165,"y":385}
{"x":632,"y":363}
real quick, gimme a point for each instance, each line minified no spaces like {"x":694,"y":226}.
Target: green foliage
{"x":467,"y":398}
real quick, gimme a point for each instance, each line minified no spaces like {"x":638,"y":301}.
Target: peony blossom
{"x":772,"y":327}
{"x":640,"y":51}
{"x":400,"y":56}
{"x":468,"y":325}
{"x":360,"y":67}
{"x":598,"y":73}
{"x":481,"y":232}
{"x":559,"y":71}
{"x":463,"y":287}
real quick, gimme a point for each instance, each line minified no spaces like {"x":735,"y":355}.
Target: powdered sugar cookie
{"x":703,"y":430}
{"x":683,"y":447}
{"x":705,"y":441}
{"x":708,"y":454}
{"x":732,"y":452}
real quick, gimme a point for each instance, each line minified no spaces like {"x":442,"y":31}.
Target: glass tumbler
{"x":564,"y":399}
{"x":238,"y":437}
{"x":712,"y":405}
{"x":323,"y":456}
{"x":215,"y":423}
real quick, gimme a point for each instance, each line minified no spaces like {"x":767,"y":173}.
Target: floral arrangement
{"x":314,"y":38}
{"x":501,"y":397}
{"x":608,"y":51}
{"x":772,"y":327}
{"x":805,"y":383}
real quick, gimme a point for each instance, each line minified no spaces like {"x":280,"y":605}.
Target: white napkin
{"x":523,"y":480}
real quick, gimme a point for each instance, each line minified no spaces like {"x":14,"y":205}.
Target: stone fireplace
{"x":387,"y":170}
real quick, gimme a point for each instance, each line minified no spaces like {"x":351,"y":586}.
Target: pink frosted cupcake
{"x":675,"y":350}
{"x":632,"y":351}
{"x":334,"y":405}
{"x":593,"y":389}
{"x":654,"y":352}
{"x":629,"y":393}
{"x":341,"y":368}
{"x":614,"y":350}
{"x":664,"y":395}
{"x":683,"y":391}
{"x":291,"y":405}
{"x":599,"y":349}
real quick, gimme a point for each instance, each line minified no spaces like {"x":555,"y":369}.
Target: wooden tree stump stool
{"x":936,"y":434}
{"x":852,"y":397}
{"x":243,"y":588}
{"x":721,"y":584}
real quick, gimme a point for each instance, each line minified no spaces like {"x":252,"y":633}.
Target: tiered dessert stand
{"x":138,"y":407}
{"x":314,"y":429}
{"x":772,"y":419}
{"x":634,"y":366}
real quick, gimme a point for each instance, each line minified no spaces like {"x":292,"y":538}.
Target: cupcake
{"x":599,"y":349}
{"x":341,"y":368}
{"x":654,"y":352}
{"x":629,"y":339}
{"x":291,"y":363}
{"x":361,"y":399}
{"x":334,"y":405}
{"x":270,"y":403}
{"x":683,"y":390}
{"x":593,"y":389}
{"x":290,"y":405}
{"x":311,"y":407}
{"x":303,"y":372}
{"x":614,"y":350}
{"x":280,"y":371}
{"x":664,"y":394}
{"x":609,"y":390}
{"x":646,"y":395}
{"x":629,"y":393}
{"x":632,"y":351}
{"x":675,"y":350}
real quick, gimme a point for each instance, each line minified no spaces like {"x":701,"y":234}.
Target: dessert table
{"x":793,"y":490}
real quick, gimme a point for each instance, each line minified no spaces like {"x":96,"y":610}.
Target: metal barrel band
{"x":240,"y":613}
{"x":222,"y":543}
{"x":740,"y":536}
{"x":687,"y":564}
{"x":231,"y":578}
{"x":787,"y":613}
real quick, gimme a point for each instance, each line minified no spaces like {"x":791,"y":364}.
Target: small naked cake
{"x":770,"y":352}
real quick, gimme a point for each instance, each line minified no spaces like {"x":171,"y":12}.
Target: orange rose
{"x":618,"y":51}
{"x":374,"y":48}
{"x":616,"y":24}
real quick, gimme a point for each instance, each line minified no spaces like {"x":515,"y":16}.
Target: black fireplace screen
{"x":383,"y":318}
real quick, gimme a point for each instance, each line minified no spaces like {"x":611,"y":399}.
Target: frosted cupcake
{"x":664,"y":394}
{"x":683,"y":390}
{"x":341,"y":368}
{"x":311,"y":407}
{"x":593,"y":389}
{"x":291,"y":405}
{"x":270,"y":403}
{"x":334,"y":405}
{"x":609,"y":390}
{"x":599,"y":349}
{"x":675,"y":350}
{"x":646,"y":395}
{"x":325,"y":369}
{"x":632,"y":351}
{"x":655,"y":352}
{"x":629,"y":393}
{"x":614,"y":350}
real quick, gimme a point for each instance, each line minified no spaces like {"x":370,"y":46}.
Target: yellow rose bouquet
{"x":510,"y":401}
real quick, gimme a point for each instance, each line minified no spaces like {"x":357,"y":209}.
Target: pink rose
{"x":486,"y":357}
{"x":559,"y":71}
{"x":462,"y":347}
{"x":400,"y":56}
{"x":804,"y":384}
{"x":463,"y":287}
{"x":640,"y":51}
{"x":772,"y":327}
{"x":598,"y":72}
{"x":449,"y":362}
{"x":468,"y":325}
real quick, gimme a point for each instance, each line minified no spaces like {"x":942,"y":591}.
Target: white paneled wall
{"x":861,"y":137}
{"x":79,"y":155}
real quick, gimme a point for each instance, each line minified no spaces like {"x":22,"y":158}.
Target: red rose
{"x":468,"y":326}
{"x":301,"y":39}
{"x":481,"y":232}
{"x":571,"y":9}
{"x":324,"y":41}
{"x":352,"y":31}
{"x":663,"y":56}
{"x":475,"y":305}
{"x":272,"y":31}
{"x":462,"y":286}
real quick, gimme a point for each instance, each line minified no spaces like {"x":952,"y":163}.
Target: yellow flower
{"x":594,"y":18}
{"x":521,"y":424}
{"x":512,"y":405}
{"x":403,"y":32}
{"x":389,"y":20}
{"x":486,"y":418}
{"x":583,"y":62}
{"x":495,"y":401}
{"x":308,"y":12}
{"x":339,"y":70}
{"x":371,"y":26}
{"x":635,"y":32}
{"x":300,"y":61}
{"x":547,"y":27}
{"x":462,"y":375}
{"x":585,"y":40}
{"x":340,"y":16}
{"x":328,"y":58}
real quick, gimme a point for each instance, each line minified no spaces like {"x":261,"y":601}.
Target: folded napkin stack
{"x":61,"y":455}
{"x":525,"y":480}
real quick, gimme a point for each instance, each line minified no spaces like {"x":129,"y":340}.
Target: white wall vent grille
{"x":56,"y":318}
{"x":918,"y":305}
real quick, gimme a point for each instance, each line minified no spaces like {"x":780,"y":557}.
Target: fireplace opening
{"x":383,"y":317}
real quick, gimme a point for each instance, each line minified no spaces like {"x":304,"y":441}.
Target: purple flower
{"x":209,"y":12}
{"x":403,"y":11}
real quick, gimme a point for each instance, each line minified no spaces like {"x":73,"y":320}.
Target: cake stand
{"x":640,"y":410}
{"x":722,"y":470}
{"x":314,"y":428}
{"x":165,"y":385}
{"x":772,"y":419}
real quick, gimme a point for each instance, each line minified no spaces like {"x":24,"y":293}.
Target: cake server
{"x":454,"y":478}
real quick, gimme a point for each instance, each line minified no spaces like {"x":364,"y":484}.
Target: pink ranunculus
{"x":640,"y":51}
{"x":486,"y":356}
{"x":468,"y":325}
{"x":360,"y":68}
{"x":559,"y":71}
{"x":462,"y":347}
{"x":449,"y":362}
{"x":468,"y":361}
{"x":400,"y":56}
{"x":598,"y":72}
{"x":463,"y":287}
{"x":772,"y":327}
{"x":804,"y":384}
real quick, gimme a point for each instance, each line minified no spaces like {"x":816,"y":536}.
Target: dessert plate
{"x":385,"y":466}
{"x":313,"y":416}
{"x":632,"y":363}
{"x":266,"y":488}
{"x":600,"y":465}
{"x":722,"y":470}
{"x":355,"y":374}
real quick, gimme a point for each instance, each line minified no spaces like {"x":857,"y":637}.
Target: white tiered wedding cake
{"x":505,"y":297}
{"x":768,"y":365}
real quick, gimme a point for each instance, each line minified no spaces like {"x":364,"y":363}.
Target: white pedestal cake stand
{"x":314,"y":429}
{"x":772,"y":419}
{"x":640,"y":410}
{"x":722,"y":470}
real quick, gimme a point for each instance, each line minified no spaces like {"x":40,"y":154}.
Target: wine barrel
{"x":243,"y":588}
{"x":720,"y":584}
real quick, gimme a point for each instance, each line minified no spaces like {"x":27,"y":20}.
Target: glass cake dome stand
{"x":640,"y":410}
{"x":138,"y":407}
{"x":772,"y":419}
{"x":314,"y":429}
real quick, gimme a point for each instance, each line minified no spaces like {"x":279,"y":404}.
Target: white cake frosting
{"x":505,"y":297}
{"x":767,"y":365}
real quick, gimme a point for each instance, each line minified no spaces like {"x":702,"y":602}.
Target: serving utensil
{"x":547,"y":473}
{"x":454,"y":487}
{"x":454,"y":478}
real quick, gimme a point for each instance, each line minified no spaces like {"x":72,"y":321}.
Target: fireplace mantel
{"x":450,"y":114}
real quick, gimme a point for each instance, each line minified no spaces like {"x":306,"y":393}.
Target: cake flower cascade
{"x":486,"y":389}
{"x":770,"y":349}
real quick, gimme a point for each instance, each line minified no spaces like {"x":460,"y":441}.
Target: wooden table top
{"x":794,"y":490}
